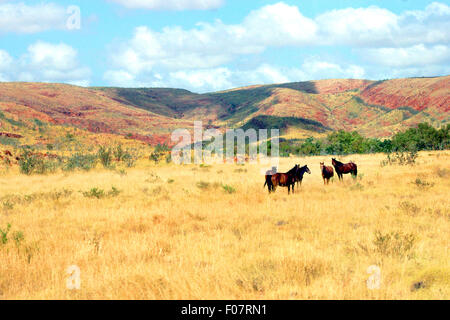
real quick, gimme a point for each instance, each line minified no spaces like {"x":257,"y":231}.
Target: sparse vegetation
{"x":396,"y":244}
{"x":30,"y":163}
{"x":81,"y":161}
{"x":174,"y":227}
{"x":100,"y":193}
{"x":105,"y":156}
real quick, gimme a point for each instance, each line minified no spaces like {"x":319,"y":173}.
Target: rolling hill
{"x":42,"y":113}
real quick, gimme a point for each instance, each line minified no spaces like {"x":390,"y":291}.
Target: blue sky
{"x":210,"y":45}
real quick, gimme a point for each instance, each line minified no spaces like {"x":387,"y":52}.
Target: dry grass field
{"x":213,"y":232}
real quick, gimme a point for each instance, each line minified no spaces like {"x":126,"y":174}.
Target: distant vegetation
{"x":31,"y":162}
{"x":424,"y":137}
{"x":402,"y":148}
{"x":282,"y":123}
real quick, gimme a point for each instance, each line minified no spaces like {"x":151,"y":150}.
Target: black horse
{"x":300,"y":173}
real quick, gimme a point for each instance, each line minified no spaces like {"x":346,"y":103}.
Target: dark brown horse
{"x":327,"y":173}
{"x":287,"y":179}
{"x":300,"y":173}
{"x":342,"y":168}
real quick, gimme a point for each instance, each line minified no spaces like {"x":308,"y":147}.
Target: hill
{"x":41,"y":113}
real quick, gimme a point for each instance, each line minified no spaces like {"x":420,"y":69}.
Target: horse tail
{"x":268,"y":182}
{"x":356,"y":170}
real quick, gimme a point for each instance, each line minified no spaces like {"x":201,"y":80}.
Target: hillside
{"x":41,"y":112}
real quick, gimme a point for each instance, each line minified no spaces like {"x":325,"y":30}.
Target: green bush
{"x":105,"y":156}
{"x":100,"y":193}
{"x":228,"y":189}
{"x":80,"y":161}
{"x":30,"y":163}
{"x":395,"y":244}
{"x":4,"y":234}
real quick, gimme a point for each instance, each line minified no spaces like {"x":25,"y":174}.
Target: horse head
{"x":307,"y":169}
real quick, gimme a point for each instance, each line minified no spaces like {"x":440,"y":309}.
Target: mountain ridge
{"x":373,"y":108}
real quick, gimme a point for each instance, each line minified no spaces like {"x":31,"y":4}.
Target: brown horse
{"x":287,"y":179}
{"x":327,"y":173}
{"x":342,"y":168}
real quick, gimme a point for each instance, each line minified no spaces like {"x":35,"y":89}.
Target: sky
{"x":212,"y":45}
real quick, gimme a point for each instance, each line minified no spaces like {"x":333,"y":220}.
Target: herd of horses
{"x":295,"y":175}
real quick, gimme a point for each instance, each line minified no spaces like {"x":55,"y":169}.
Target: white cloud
{"x":212,"y":79}
{"x":221,"y":78}
{"x":60,"y":57}
{"x":5,"y":60}
{"x":211,"y":45}
{"x":22,"y":18}
{"x":278,"y":25}
{"x":181,"y":57}
{"x":183,"y":54}
{"x":418,"y":55}
{"x":377,"y":27}
{"x":315,"y":68}
{"x":5,"y":64}
{"x":362,"y":26}
{"x":45,"y":62}
{"x":176,"y":5}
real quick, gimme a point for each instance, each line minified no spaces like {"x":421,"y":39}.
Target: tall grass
{"x":207,"y":235}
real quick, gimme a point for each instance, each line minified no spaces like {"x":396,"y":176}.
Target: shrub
{"x":207,"y":185}
{"x":4,"y":234}
{"x":30,"y":163}
{"x":422,"y":183}
{"x":100,"y":193}
{"x":442,"y":173}
{"x":203,"y":185}
{"x":130,"y":158}
{"x":105,"y":156}
{"x":159,"y":152}
{"x":119,"y":153}
{"x":9,"y":141}
{"x":401,"y":158}
{"x":80,"y":161}
{"x":228,"y":189}
{"x":395,"y":244}
{"x":94,"y":193}
{"x":409,"y":208}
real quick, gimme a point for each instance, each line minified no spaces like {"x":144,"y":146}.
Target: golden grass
{"x":191,"y":239}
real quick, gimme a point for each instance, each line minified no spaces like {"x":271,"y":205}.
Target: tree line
{"x":424,"y":137}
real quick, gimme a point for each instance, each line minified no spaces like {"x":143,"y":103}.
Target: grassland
{"x":212,"y":232}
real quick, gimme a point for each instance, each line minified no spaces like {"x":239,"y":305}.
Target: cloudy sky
{"x":210,"y":45}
